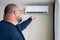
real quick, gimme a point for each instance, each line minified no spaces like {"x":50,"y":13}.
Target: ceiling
{"x":3,"y":2}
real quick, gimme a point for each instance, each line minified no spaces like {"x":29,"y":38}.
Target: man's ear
{"x":15,"y":13}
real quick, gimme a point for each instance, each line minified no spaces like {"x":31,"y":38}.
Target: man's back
{"x":4,"y":30}
{"x":9,"y":31}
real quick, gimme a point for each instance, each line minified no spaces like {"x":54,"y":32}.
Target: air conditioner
{"x":36,"y":9}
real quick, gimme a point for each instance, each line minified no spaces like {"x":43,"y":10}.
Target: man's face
{"x":18,"y":15}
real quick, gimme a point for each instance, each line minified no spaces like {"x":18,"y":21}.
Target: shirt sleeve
{"x":24,"y":24}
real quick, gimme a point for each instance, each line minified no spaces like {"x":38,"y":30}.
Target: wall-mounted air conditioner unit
{"x":36,"y":9}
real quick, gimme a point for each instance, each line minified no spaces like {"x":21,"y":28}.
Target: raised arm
{"x":24,"y":24}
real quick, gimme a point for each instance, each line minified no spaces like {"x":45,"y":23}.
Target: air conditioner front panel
{"x":32,"y":9}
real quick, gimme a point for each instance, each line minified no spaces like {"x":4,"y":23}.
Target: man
{"x":9,"y":27}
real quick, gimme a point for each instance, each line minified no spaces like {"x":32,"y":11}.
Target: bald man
{"x":9,"y":27}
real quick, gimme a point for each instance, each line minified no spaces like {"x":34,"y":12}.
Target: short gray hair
{"x":9,"y":8}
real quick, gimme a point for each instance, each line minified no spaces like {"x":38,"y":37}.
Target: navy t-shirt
{"x":9,"y":31}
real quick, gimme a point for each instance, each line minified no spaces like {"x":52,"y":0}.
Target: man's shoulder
{"x":6,"y":25}
{"x":3,"y":25}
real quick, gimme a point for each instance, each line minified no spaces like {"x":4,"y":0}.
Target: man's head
{"x":13,"y":11}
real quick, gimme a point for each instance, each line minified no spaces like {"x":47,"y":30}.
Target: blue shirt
{"x":9,"y":31}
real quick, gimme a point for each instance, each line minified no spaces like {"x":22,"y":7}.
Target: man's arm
{"x":24,"y":24}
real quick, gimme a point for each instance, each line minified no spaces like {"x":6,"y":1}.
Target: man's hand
{"x":33,"y":17}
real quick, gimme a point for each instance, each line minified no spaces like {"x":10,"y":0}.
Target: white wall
{"x":41,"y":28}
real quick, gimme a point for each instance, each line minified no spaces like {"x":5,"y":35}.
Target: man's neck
{"x":12,"y":21}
